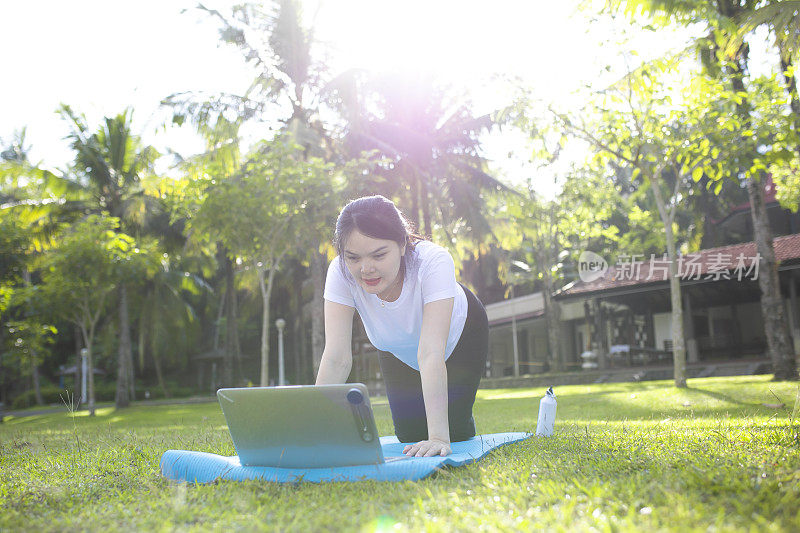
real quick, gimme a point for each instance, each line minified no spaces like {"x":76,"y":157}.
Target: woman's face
{"x":374,"y":263}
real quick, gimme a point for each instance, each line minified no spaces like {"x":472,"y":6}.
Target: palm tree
{"x":781,"y":16}
{"x":111,"y":163}
{"x":432,"y":140}
{"x":40,"y":198}
{"x":168,"y":324}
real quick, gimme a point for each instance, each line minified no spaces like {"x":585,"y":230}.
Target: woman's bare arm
{"x":337,"y":357}
{"x":433,"y":372}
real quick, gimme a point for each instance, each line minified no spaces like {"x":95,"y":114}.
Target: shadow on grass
{"x":612,"y":405}
{"x":138,"y":417}
{"x":718,"y":396}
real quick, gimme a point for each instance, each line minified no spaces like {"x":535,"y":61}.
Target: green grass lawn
{"x":625,"y":456}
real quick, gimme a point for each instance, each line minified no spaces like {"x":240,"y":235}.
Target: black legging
{"x":465,"y":366}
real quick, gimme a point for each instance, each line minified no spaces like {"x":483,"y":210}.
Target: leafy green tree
{"x":82,"y":271}
{"x":726,"y":55}
{"x":27,"y":222}
{"x":787,"y":179}
{"x":669,"y":145}
{"x":169,"y":326}
{"x":14,"y":257}
{"x":606,"y":217}
{"x":258,"y":214}
{"x":27,"y":342}
{"x":540,"y":224}
{"x":35,"y":203}
{"x":767,"y":140}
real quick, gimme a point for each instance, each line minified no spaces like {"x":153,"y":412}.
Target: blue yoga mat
{"x":201,"y":467}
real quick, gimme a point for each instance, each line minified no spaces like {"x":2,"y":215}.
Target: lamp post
{"x":280,"y":324}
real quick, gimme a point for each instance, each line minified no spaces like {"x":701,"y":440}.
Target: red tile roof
{"x":726,"y":262}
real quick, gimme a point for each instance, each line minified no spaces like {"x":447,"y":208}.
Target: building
{"x":625,"y":315}
{"x":525,"y":317}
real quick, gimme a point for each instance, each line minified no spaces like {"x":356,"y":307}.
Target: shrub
{"x":103,"y":392}
{"x":50,"y":394}
{"x":157,"y":394}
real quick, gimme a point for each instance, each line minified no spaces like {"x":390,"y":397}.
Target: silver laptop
{"x":302,"y":426}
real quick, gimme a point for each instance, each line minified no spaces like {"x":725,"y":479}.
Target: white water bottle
{"x":547,"y":414}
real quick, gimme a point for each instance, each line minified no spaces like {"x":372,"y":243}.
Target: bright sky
{"x":100,"y":56}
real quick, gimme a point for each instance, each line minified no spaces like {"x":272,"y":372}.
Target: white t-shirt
{"x":396,"y":326}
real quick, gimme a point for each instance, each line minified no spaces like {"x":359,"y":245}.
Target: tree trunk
{"x":317,"y":309}
{"x":90,"y":369}
{"x":131,"y":369}
{"x":230,"y":323}
{"x":3,"y":377}
{"x":37,"y":390}
{"x":678,"y":341}
{"x":220,"y":311}
{"x":302,"y":342}
{"x":237,"y":349}
{"x":140,"y":345}
{"x":775,"y":325}
{"x":124,"y":351}
{"x":296,"y":328}
{"x":266,"y":290}
{"x":153,"y":297}
{"x":546,"y":242}
{"x":157,"y":364}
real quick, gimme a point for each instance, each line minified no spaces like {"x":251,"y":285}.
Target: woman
{"x":432,"y":331}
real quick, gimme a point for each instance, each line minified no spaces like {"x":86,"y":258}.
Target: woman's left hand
{"x":428,"y":448}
